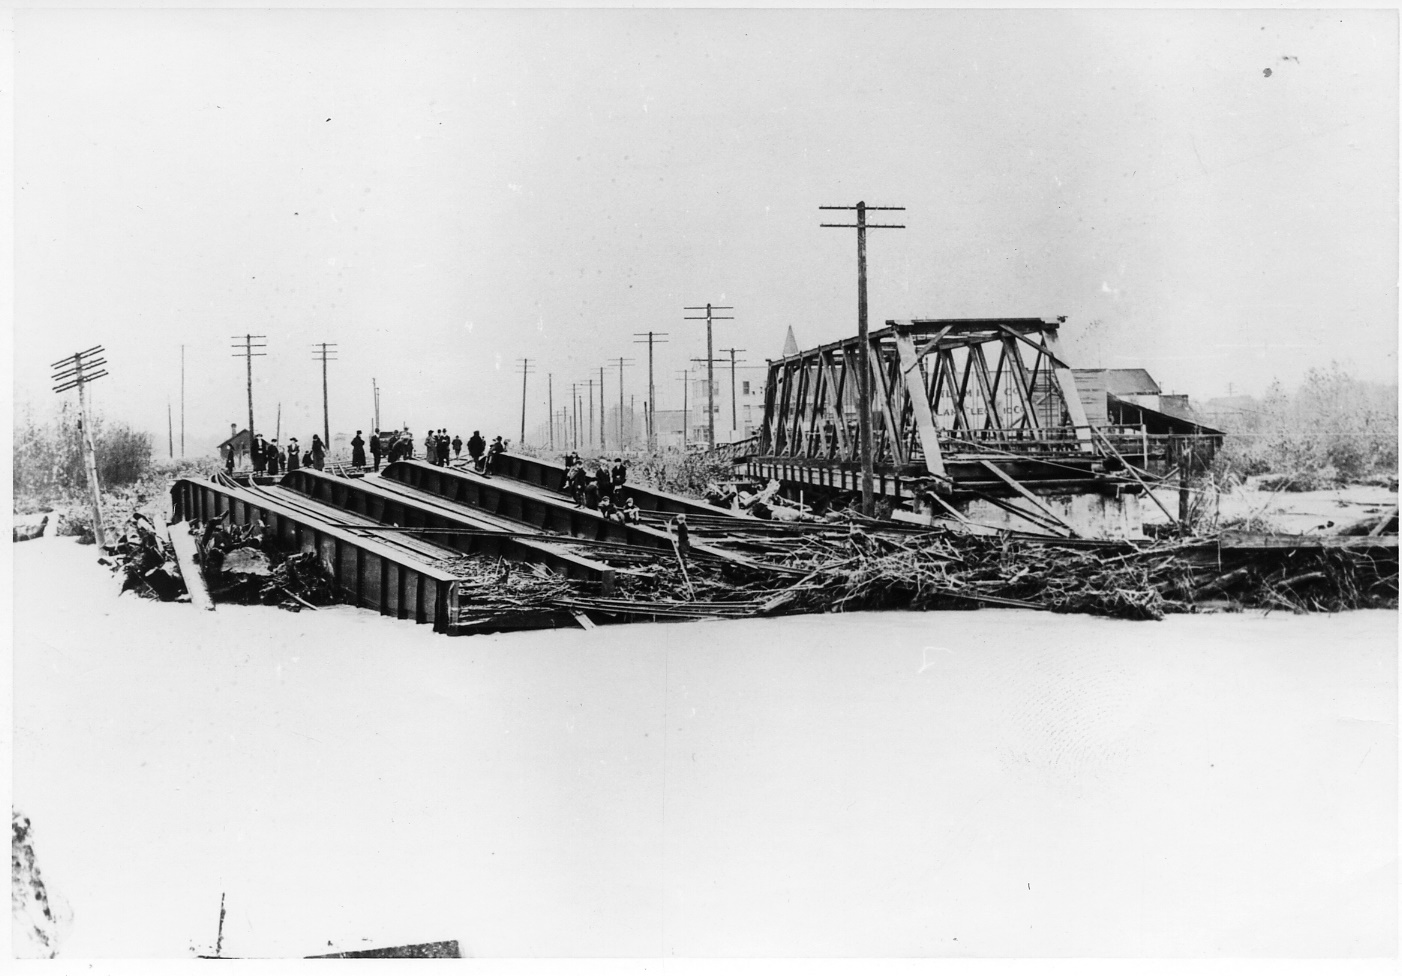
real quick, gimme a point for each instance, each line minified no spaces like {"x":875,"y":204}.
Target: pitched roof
{"x":1126,"y":382}
{"x":790,"y":344}
{"x":241,"y":434}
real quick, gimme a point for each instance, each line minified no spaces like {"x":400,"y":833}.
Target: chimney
{"x":233,"y":429}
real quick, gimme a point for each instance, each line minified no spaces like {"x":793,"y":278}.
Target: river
{"x":902,"y":784}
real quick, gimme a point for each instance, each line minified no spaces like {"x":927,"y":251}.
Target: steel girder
{"x":942,"y":391}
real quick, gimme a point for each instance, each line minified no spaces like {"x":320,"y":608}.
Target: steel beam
{"x":367,"y":572}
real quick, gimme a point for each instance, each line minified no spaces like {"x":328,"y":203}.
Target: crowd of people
{"x":601,"y":490}
{"x":268,"y":458}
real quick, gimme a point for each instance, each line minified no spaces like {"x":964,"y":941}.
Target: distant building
{"x":1231,"y":412}
{"x":1133,"y":398}
{"x":240,"y":443}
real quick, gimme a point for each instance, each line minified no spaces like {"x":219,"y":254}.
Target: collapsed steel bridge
{"x":960,"y":408}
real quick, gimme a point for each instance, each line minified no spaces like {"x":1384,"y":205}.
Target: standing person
{"x":457,"y":446}
{"x":591,"y":494}
{"x":358,"y":450}
{"x":475,"y":446}
{"x":428,"y":448}
{"x":259,"y":451}
{"x":408,"y":441}
{"x":605,"y":482}
{"x":443,"y":443}
{"x":683,"y":537}
{"x":229,"y":460}
{"x":375,"y":448}
{"x":294,"y":455}
{"x":318,"y":453}
{"x":620,"y":474}
{"x":492,"y":452}
{"x":273,"y":457}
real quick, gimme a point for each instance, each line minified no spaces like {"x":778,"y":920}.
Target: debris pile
{"x":858,"y":564}
{"x":241,"y":564}
{"x":143,"y":557}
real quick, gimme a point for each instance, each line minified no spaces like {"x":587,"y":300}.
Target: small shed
{"x":240,"y":443}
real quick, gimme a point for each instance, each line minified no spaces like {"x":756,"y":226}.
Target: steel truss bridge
{"x":960,"y":408}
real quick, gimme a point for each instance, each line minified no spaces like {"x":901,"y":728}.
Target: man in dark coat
{"x":620,"y":473}
{"x":605,"y":482}
{"x":574,"y":483}
{"x":476,"y":444}
{"x":457,"y":446}
{"x":318,"y":452}
{"x":444,"y":441}
{"x":375,"y":449}
{"x":358,"y":450}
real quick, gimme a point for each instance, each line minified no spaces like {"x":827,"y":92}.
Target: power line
{"x":326,"y":352}
{"x":76,"y":372}
{"x":621,"y":364}
{"x":526,"y":370}
{"x":863,"y":345}
{"x":248,"y":346}
{"x":710,"y":367}
{"x":734,"y":424}
{"x":651,"y":410}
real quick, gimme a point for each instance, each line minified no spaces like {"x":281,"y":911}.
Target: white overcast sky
{"x":444,"y":192}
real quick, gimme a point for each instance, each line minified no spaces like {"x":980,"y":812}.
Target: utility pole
{"x":182,"y":400}
{"x":590,"y":428}
{"x":78,"y":370}
{"x":621,"y":362}
{"x":550,"y":387}
{"x":710,"y":367}
{"x":326,"y":352}
{"x":376,"y":388}
{"x":248,"y":353}
{"x":863,"y":346}
{"x":650,"y":408}
{"x":170,"y":429}
{"x":686,"y":381}
{"x":603,"y":446}
{"x":525,"y":371}
{"x":277,"y":432}
{"x":734,"y":423}
{"x":574,"y":424}
{"x":632,"y":423}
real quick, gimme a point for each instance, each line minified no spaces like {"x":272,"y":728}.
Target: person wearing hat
{"x":273,"y":457}
{"x":294,"y":455}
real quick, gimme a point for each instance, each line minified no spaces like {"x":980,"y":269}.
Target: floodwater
{"x":992,"y":783}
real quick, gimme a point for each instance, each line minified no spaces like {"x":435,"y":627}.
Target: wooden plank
{"x":1382,"y":522}
{"x":924,"y":419}
{"x":184,"y":545}
{"x":1067,"y":381}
